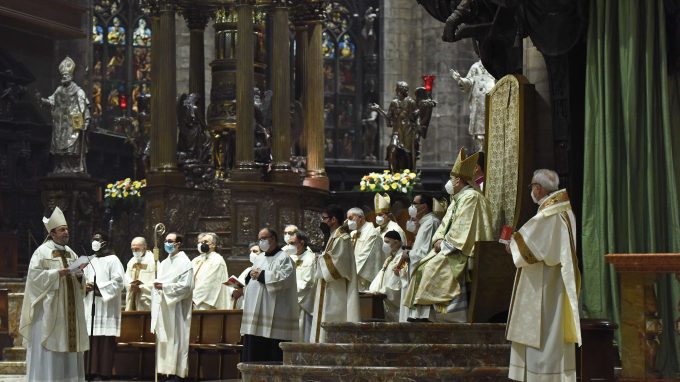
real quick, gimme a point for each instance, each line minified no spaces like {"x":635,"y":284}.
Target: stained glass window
{"x":121,"y":62}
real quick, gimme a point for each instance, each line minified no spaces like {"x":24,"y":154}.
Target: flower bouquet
{"x":403,"y":182}
{"x":124,"y":191}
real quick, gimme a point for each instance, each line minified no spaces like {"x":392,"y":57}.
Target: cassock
{"x":337,"y":296}
{"x":142,"y":269}
{"x":543,"y":321}
{"x":210,"y":271}
{"x":171,"y":314}
{"x":270,"y":308}
{"x":368,"y":254}
{"x":392,"y":226}
{"x":439,"y":278}
{"x":392,"y":285}
{"x":109,"y":284}
{"x":52,"y":322}
{"x":428,"y":225}
{"x":306,"y":282}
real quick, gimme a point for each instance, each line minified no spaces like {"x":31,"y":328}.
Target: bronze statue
{"x":369,"y":133}
{"x":263,"y":122}
{"x":194,"y":145}
{"x":404,"y":116}
{"x":70,"y":119}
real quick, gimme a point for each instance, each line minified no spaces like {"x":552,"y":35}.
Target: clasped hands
{"x":255,"y":273}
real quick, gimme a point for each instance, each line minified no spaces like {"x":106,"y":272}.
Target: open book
{"x":234,"y":282}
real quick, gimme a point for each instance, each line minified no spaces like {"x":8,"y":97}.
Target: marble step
{"x":414,"y":355}
{"x":415,"y":333}
{"x":256,"y":372}
{"x":14,"y":354}
{"x":13,"y":285}
{"x":12,"y":367}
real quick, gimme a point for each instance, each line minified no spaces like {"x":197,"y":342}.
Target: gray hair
{"x":290,"y":226}
{"x":213,"y":236}
{"x":141,"y":240}
{"x":548,"y":179}
{"x":356,"y":211}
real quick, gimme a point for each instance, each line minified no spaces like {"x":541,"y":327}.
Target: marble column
{"x":164,"y":121}
{"x":281,"y":98}
{"x":245,"y":168}
{"x":197,"y":19}
{"x":313,"y":99}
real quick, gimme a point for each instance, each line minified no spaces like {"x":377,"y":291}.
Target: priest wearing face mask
{"x":543,"y":320}
{"x":424,"y":224}
{"x":270,"y":306}
{"x":52,"y":324}
{"x":383,"y":217}
{"x":141,"y":270}
{"x":304,"y":260}
{"x":337,"y":295}
{"x":392,"y":278}
{"x":106,"y":289}
{"x":210,"y":271}
{"x":367,"y":244}
{"x":236,"y":292}
{"x":288,"y":232}
{"x":171,"y":309}
{"x":439,"y":278}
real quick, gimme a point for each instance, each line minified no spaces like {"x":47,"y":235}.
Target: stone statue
{"x":401,"y":117}
{"x":194,"y":146}
{"x":368,"y":31}
{"x":70,"y":119}
{"x":263,"y":118}
{"x":369,"y":133}
{"x":477,"y":84}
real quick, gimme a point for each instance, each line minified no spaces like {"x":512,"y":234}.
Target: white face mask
{"x":387,"y":248}
{"x":352,"y":225}
{"x":412,"y":211}
{"x":137,"y":255}
{"x":264,"y":245}
{"x":411,"y":226}
{"x":289,"y":250}
{"x":449,"y":187}
{"x":379,"y":220}
{"x":287,"y":237}
{"x":96,"y":245}
{"x":253,"y":256}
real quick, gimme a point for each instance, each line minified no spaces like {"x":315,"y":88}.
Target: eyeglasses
{"x":324,"y":218}
{"x":170,"y":241}
{"x":531,"y":186}
{"x":264,"y":238}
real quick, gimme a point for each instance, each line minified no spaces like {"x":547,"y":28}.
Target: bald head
{"x":138,"y":244}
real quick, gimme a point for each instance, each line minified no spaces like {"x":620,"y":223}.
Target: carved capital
{"x":308,"y":12}
{"x":196,"y":18}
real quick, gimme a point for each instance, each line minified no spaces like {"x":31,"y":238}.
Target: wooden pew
{"x":214,"y":339}
{"x":5,"y":339}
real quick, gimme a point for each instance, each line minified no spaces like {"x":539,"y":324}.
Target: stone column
{"x":313,"y":98}
{"x":164,"y":118}
{"x":197,"y":19}
{"x":281,"y":88}
{"x":245,"y":168}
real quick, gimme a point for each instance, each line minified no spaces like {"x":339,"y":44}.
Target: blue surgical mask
{"x":169,"y":248}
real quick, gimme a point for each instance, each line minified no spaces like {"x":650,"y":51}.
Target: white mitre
{"x":56,"y":220}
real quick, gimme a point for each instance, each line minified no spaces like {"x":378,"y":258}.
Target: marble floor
{"x":22,"y":378}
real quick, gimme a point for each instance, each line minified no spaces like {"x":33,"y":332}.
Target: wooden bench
{"x":214,"y":339}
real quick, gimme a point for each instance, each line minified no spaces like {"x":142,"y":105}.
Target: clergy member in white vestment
{"x":140,"y":273}
{"x":424,"y":224}
{"x":288,"y":232}
{"x":367,"y":244}
{"x":52,"y":321}
{"x":337,"y":296}
{"x":236,"y":292}
{"x":305,"y":262}
{"x":439,"y":278}
{"x":270,"y":307}
{"x":171,"y":310}
{"x":210,"y":272}
{"x":104,"y":282}
{"x":543,"y":321}
{"x":383,"y":217}
{"x":392,"y":279}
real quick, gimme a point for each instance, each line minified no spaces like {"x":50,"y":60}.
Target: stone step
{"x":257,"y":372}
{"x":13,"y":286}
{"x":414,"y":355}
{"x":12,"y":367}
{"x":415,"y":333}
{"x":14,"y":354}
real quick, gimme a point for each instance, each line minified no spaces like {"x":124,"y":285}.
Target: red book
{"x":506,"y":235}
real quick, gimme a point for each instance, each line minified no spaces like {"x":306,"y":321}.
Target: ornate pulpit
{"x":640,"y":324}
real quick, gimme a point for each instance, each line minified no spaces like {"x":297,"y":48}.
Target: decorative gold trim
{"x":319,"y":314}
{"x":331,"y":267}
{"x":574,"y":259}
{"x":524,"y":249}
{"x":558,"y":197}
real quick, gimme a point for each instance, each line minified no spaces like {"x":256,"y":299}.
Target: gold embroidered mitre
{"x":464,"y":166}
{"x":381,"y":203}
{"x":57,"y":219}
{"x":68,"y":66}
{"x":439,"y":207}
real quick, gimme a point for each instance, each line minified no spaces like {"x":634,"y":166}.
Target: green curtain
{"x":632,"y":140}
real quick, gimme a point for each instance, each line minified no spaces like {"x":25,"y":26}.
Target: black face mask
{"x":205,"y":248}
{"x":325,"y":229}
